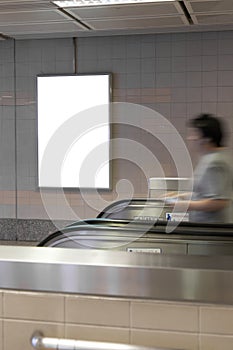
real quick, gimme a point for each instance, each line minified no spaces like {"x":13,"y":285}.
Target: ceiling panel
{"x":125,"y":11}
{"x":136,"y":16}
{"x":35,"y":18}
{"x":38,"y":29}
{"x":129,"y":23}
{"x":25,"y":5}
{"x":211,"y":6}
{"x":213,"y":19}
{"x":32,"y":17}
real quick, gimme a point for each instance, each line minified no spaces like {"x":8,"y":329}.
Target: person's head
{"x":210,"y":129}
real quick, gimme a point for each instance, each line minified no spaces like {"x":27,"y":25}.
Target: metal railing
{"x":38,"y":341}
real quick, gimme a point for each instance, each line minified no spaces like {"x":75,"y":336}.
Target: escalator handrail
{"x":124,"y":202}
{"x":126,"y":226}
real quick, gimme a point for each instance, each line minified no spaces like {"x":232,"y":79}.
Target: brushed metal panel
{"x":210,"y":248}
{"x":119,"y":274}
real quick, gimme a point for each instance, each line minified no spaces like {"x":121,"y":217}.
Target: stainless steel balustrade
{"x":201,"y":279}
{"x":38,"y":341}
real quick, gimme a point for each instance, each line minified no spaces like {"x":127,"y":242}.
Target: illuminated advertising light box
{"x":74,"y":131}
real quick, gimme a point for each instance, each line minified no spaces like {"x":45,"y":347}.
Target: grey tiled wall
{"x":178,"y":75}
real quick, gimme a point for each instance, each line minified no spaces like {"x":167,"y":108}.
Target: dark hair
{"x":210,"y":127}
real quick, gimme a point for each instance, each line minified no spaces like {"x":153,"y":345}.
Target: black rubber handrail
{"x":124,"y":228}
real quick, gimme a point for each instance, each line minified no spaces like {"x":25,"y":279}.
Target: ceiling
{"x":25,"y":19}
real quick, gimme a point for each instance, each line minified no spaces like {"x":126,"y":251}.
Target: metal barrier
{"x":38,"y":341}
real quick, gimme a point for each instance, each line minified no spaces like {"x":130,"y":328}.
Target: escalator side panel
{"x":210,"y":248}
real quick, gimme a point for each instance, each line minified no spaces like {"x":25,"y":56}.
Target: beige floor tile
{"x":34,"y":306}
{"x":163,"y":339}
{"x":97,"y":311}
{"x":102,"y":334}
{"x":17,"y":334}
{"x":162,"y":316}
{"x":211,"y":342}
{"x":216,"y":320}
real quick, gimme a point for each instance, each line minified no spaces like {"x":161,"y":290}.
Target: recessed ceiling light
{"x":84,"y":3}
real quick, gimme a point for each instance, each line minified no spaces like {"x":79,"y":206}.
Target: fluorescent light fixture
{"x":85,"y":3}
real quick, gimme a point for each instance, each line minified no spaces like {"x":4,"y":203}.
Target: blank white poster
{"x":74,"y":131}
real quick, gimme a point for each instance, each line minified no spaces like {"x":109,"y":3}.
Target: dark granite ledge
{"x":19,"y":243}
{"x":33,"y":230}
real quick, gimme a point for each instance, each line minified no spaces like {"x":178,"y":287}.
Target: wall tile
{"x":97,"y":311}
{"x":209,"y":94}
{"x":178,"y":110}
{"x":210,"y":47}
{"x":216,"y":320}
{"x":163,"y":38}
{"x":225,"y":46}
{"x":163,"y":80}
{"x":1,"y":304}
{"x":225,"y":78}
{"x":164,"y":109}
{"x":210,"y":78}
{"x":1,"y":334}
{"x":102,"y":334}
{"x":178,"y":79}
{"x":195,"y":36}
{"x":210,"y":107}
{"x":178,"y":37}
{"x":193,"y":108}
{"x":148,"y":65}
{"x":170,"y":340}
{"x":164,"y":316}
{"x":194,"y":95}
{"x":181,"y":125}
{"x":179,"y":47}
{"x":194,"y":48}
{"x":33,"y":306}
{"x":119,"y":49}
{"x":23,"y":53}
{"x":179,"y":64}
{"x":133,"y":65}
{"x":209,"y":63}
{"x":132,"y":81}
{"x":225,"y":109}
{"x":163,"y":49}
{"x":194,"y":79}
{"x":163,"y":64}
{"x":179,"y":95}
{"x":194,"y":63}
{"x":148,"y":49}
{"x":216,"y":342}
{"x":210,"y":35}
{"x":133,"y":49}
{"x":225,"y":35}
{"x":225,"y":94}
{"x":17,"y":334}
{"x":225,"y":62}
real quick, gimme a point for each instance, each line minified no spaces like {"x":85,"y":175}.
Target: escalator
{"x":139,"y":209}
{"x":137,"y":236}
